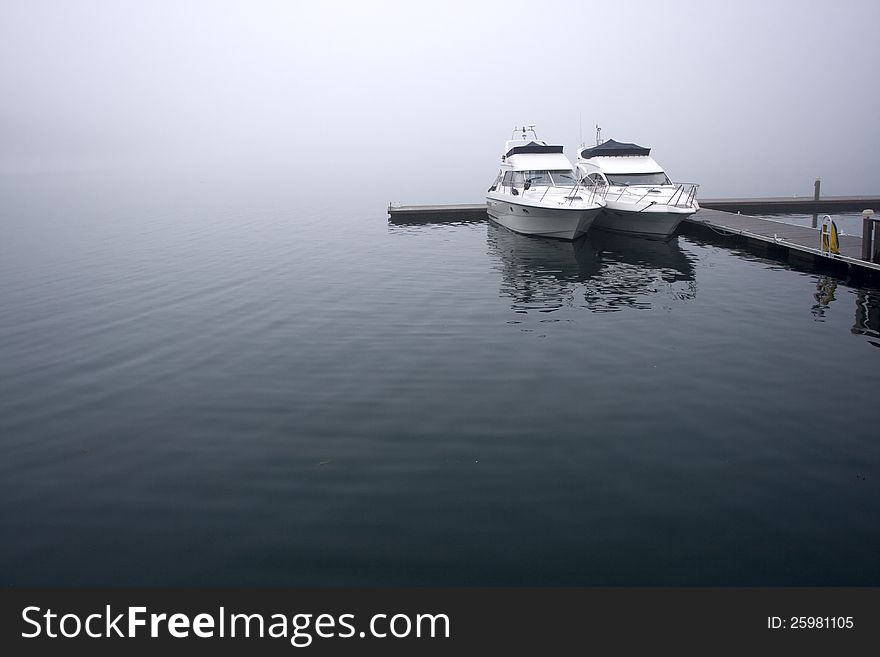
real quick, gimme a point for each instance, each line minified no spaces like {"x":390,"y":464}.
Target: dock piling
{"x":816,"y":202}
{"x":870,"y":241}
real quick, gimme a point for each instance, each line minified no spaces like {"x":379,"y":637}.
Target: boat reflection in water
{"x":602,"y":272}
{"x":541,"y":274}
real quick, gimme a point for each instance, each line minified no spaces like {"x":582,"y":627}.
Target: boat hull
{"x":559,"y":223}
{"x":657,"y":224}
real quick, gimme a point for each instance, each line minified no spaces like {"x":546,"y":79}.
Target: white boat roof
{"x":624,"y":164}
{"x":538,"y":161}
{"x":534,"y":154}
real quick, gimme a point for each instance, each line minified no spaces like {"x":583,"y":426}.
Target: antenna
{"x":581,"y":127}
{"x":526,"y":128}
{"x":598,"y":135}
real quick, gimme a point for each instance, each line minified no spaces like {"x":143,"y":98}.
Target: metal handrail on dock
{"x":829,"y":242}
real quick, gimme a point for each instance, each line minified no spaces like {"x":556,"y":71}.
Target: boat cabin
{"x":620,"y":164}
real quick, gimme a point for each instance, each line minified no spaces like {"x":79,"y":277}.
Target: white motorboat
{"x":640,"y":198}
{"x":538,"y":192}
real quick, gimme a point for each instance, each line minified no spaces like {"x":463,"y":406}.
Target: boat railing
{"x":592,"y":190}
{"x":595,"y":191}
{"x":682,"y":196}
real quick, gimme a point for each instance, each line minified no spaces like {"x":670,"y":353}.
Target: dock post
{"x":875,"y":240}
{"x":868,"y":235}
{"x":816,"y":202}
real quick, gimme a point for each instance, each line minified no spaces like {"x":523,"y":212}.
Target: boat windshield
{"x":624,"y":179}
{"x":554,"y":178}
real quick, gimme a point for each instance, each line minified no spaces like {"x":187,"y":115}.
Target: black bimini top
{"x":612,"y":147}
{"x":532,"y":147}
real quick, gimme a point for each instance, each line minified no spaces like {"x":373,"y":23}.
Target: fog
{"x":414,"y":100}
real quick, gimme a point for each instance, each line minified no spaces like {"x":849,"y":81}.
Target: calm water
{"x":229,"y":384}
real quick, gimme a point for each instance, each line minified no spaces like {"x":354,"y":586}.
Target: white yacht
{"x":640,"y":198}
{"x":538,"y":192}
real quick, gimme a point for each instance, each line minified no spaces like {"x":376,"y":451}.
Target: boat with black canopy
{"x":640,"y":197}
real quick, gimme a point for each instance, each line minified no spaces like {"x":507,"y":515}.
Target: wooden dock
{"x":779,"y":205}
{"x":798,"y":244}
{"x":793,"y":204}
{"x":446,"y":213}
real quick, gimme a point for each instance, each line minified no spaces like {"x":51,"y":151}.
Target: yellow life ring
{"x":829,"y":240}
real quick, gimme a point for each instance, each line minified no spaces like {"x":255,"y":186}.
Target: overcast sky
{"x":748,"y":98}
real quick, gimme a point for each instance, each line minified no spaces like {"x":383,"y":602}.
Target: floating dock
{"x":799,"y":244}
{"x":717,"y":219}
{"x":798,"y":204}
{"x":780,"y":205}
{"x":440,"y":213}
